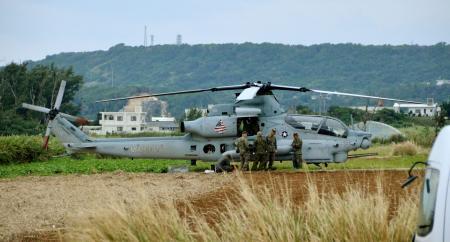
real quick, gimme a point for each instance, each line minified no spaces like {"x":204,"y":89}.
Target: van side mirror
{"x":409,"y":181}
{"x":411,"y":177}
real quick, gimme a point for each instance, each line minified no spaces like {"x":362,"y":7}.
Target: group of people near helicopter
{"x":263,"y":150}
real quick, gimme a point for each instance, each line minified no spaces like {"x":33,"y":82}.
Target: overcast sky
{"x":32,"y":29}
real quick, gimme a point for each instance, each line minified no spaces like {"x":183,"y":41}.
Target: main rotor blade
{"x":214,"y":89}
{"x":304,"y":89}
{"x":365,"y":96}
{"x":35,"y":108}
{"x":60,"y":94}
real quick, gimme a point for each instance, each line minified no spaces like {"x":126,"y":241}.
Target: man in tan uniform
{"x":297,"y":144}
{"x":244,"y":151}
{"x":271,"y":148}
{"x":260,"y":152}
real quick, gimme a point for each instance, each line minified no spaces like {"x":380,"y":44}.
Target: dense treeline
{"x":407,"y":71}
{"x":39,"y":86}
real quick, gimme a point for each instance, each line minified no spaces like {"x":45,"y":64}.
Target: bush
{"x":396,"y":138}
{"x":20,"y":148}
{"x":405,"y":148}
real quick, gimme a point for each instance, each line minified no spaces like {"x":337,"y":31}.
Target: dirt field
{"x":33,"y":204}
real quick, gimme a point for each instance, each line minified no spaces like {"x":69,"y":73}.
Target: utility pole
{"x":112,"y":75}
{"x":179,"y":39}
{"x":145,"y":35}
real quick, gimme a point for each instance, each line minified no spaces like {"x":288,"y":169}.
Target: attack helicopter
{"x":325,"y":139}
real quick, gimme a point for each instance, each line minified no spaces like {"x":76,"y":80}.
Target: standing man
{"x":260,"y":152}
{"x":244,"y":151}
{"x":271,"y":148}
{"x":297,"y":144}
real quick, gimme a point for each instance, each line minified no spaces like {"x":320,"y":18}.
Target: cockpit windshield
{"x":304,"y":122}
{"x":322,"y":125}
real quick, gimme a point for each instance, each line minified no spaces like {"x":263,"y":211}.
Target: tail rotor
{"x":52,"y":113}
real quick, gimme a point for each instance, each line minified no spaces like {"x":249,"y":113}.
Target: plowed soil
{"x":34,"y":207}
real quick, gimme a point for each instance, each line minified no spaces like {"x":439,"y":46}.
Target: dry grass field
{"x":263,"y":206}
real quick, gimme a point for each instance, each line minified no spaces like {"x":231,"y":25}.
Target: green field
{"x":90,"y":164}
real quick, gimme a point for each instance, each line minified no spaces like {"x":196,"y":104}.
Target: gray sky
{"x":32,"y":29}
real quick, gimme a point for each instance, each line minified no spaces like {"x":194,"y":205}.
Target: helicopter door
{"x":249,"y":124}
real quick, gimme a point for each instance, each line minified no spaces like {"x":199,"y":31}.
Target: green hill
{"x":407,"y":71}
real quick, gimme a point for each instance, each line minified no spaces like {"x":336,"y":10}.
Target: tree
{"x":440,"y":120}
{"x":445,"y":106}
{"x":301,"y":109}
{"x":194,"y":113}
{"x":346,"y":114}
{"x":39,"y":86}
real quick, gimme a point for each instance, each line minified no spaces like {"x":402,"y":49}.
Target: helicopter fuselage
{"x":325,"y":139}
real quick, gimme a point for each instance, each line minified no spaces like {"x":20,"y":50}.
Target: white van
{"x":434,"y":210}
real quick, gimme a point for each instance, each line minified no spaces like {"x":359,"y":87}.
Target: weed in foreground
{"x":405,"y":148}
{"x":262,"y":213}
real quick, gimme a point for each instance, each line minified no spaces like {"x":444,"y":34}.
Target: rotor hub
{"x":52,"y":113}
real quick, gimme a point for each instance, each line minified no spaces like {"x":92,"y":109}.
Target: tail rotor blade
{"x":35,"y":108}
{"x":69,"y":117}
{"x":60,"y":95}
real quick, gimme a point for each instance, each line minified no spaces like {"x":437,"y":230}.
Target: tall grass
{"x":420,"y":135}
{"x":267,"y":213}
{"x":22,"y":148}
{"x":405,"y":148}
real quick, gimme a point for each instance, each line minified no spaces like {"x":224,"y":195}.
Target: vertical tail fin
{"x":66,"y":132}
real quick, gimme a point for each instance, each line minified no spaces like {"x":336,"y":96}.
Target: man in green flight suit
{"x":297,"y":144}
{"x":271,"y":148}
{"x":260,"y":152}
{"x":244,"y":150}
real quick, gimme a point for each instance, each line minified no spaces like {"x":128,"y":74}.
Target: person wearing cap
{"x":297,"y":160}
{"x":260,"y":152}
{"x":244,"y":151}
{"x":271,"y":148}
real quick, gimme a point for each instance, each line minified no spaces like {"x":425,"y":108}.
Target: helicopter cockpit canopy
{"x":320,"y":124}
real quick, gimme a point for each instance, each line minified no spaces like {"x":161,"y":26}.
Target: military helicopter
{"x":325,"y":139}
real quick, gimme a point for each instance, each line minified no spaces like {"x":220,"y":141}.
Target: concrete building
{"x":134,"y":118}
{"x":428,"y":109}
{"x":123,"y":121}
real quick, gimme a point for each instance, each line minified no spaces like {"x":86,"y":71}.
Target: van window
{"x":428,"y":202}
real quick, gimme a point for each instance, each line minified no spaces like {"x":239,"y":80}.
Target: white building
{"x":134,"y":122}
{"x":428,"y":109}
{"x":124,"y":121}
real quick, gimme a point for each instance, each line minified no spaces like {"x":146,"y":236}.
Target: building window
{"x":133,"y":118}
{"x":119,"y":118}
{"x":133,"y":129}
{"x":119,"y":129}
{"x":110,"y":117}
